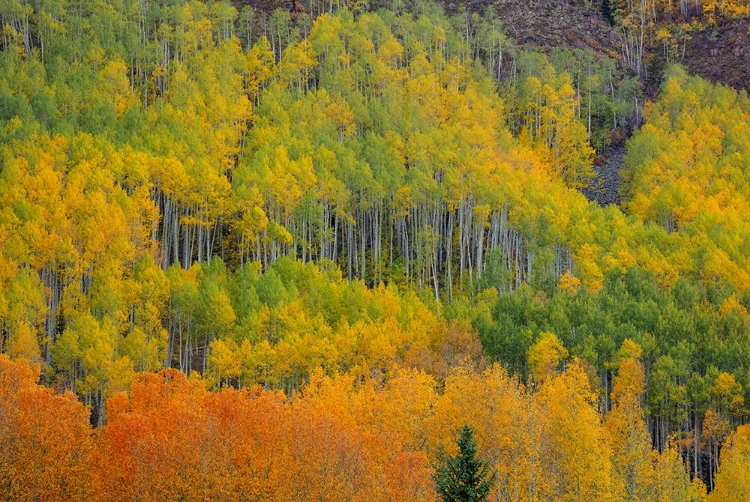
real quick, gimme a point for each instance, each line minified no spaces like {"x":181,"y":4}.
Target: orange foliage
{"x":341,"y":439}
{"x":45,"y":439}
{"x":170,"y":439}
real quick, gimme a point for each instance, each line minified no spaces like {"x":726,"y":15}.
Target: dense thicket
{"x":359,"y":195}
{"x":338,"y":440}
{"x":686,"y":171}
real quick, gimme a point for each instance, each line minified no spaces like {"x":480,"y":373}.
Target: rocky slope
{"x":606,"y":185}
{"x":722,"y":53}
{"x":548,"y":23}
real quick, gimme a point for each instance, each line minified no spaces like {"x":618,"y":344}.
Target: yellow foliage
{"x":546,"y":355}
{"x":733,"y":477}
{"x":568,"y":282}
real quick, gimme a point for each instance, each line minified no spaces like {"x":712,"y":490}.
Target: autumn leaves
{"x":45,"y":439}
{"x":340,"y":439}
{"x":330,"y":219}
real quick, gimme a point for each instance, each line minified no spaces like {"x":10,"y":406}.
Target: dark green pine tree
{"x":464,"y":478}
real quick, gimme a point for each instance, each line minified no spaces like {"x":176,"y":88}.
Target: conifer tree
{"x":464,"y":478}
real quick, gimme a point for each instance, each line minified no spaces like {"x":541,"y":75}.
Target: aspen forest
{"x":290,"y":250}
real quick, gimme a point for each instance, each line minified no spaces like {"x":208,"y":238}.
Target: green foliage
{"x":184,"y":186}
{"x":464,"y":477}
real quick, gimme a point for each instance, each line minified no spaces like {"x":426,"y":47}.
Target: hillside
{"x":722,"y":53}
{"x":547,"y":24}
{"x":287,"y":252}
{"x":717,"y":50}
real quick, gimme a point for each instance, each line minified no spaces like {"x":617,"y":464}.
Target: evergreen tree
{"x":464,"y":478}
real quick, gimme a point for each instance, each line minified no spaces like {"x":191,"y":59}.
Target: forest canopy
{"x":366,"y":226}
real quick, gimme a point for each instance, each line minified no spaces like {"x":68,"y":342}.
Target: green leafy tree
{"x":465,"y":477}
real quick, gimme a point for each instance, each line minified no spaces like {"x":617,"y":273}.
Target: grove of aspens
{"x":286,"y":250}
